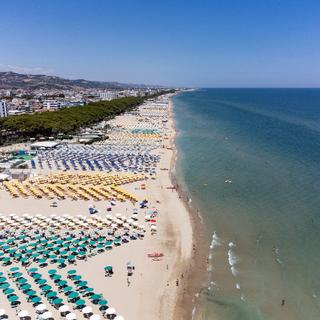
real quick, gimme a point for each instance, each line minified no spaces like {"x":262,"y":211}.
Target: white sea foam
{"x":238,"y":286}
{"x":232,"y":258}
{"x":234,"y":271}
{"x":216,"y":242}
{"x":232,"y":244}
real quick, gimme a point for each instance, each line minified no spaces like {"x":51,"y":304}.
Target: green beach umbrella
{"x":8,"y":291}
{"x":76,"y":278}
{"x":30,"y":293}
{"x":41,"y":281}
{"x":96,"y":297}
{"x":46,"y":288}
{"x":103,"y":302}
{"x":67,"y":289}
{"x":2,"y":279}
{"x":61,"y":261}
{"x":73,"y":295}
{"x":32,"y":270}
{"x":4,"y":285}
{"x":52,"y":294}
{"x":35,"y":299}
{"x":26,"y":286}
{"x":13,"y":269}
{"x":82,"y":283}
{"x":22,"y":280}
{"x":36,"y":276}
{"x":52,"y":271}
{"x":56,"y":277}
{"x":72,"y":271}
{"x":17,"y":275}
{"x":62,"y":283}
{"x":57,"y":301}
{"x":80,"y":302}
{"x":13,"y":298}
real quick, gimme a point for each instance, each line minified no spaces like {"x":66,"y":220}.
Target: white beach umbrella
{"x":41,"y":307}
{"x":2,"y":312}
{"x":71,"y":316}
{"x":87,"y":310}
{"x":119,"y":318}
{"x":64,"y":308}
{"x":95,"y":317}
{"x":110,"y":311}
{"x":23,"y":313}
{"x":47,"y":315}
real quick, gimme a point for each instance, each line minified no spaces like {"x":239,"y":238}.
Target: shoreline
{"x":188,"y":304}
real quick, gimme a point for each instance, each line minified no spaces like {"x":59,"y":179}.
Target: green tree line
{"x":65,"y":121}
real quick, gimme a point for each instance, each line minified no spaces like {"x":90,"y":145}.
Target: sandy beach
{"x":158,"y":288}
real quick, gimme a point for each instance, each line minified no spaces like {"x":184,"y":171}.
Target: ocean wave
{"x":215,"y":242}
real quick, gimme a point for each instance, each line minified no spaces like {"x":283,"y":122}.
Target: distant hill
{"x":12,"y":80}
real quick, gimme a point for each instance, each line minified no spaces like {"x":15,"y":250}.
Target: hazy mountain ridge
{"x":12,"y":80}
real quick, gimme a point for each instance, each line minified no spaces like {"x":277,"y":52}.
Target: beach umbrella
{"x":41,"y":281}
{"x":62,"y":283}
{"x":47,"y":315}
{"x":41,"y":308}
{"x":13,"y":269}
{"x":71,"y":316}
{"x":35,"y":299}
{"x":95,"y":317}
{"x":64,"y":308}
{"x":52,"y":271}
{"x":13,"y":298}
{"x":26,"y":286}
{"x":46,"y":288}
{"x":23,"y":313}
{"x":119,"y":318}
{"x":96,"y":297}
{"x":2,"y":312}
{"x":80,"y":302}
{"x":67,"y":289}
{"x":57,"y":301}
{"x":103,"y":302}
{"x":17,"y":275}
{"x":8,"y":291}
{"x":32,"y":270}
{"x":22,"y":280}
{"x":51,"y":294}
{"x":30,"y":293}
{"x":76,"y":278}
{"x":73,"y":295}
{"x":4,"y":285}
{"x":110,"y":311}
{"x":87,"y":310}
{"x":72,"y":271}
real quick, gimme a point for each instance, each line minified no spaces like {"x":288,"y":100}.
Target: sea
{"x":250,"y":161}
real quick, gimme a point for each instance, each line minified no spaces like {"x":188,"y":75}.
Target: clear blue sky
{"x":203,"y":43}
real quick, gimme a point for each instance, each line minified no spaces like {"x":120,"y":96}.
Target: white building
{"x":108,"y":95}
{"x":3,"y":109}
{"x":51,"y":104}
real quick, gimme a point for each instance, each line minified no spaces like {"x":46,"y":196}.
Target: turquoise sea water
{"x":250,"y":159}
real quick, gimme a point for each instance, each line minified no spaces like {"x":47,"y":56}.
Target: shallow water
{"x":250,"y":160}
